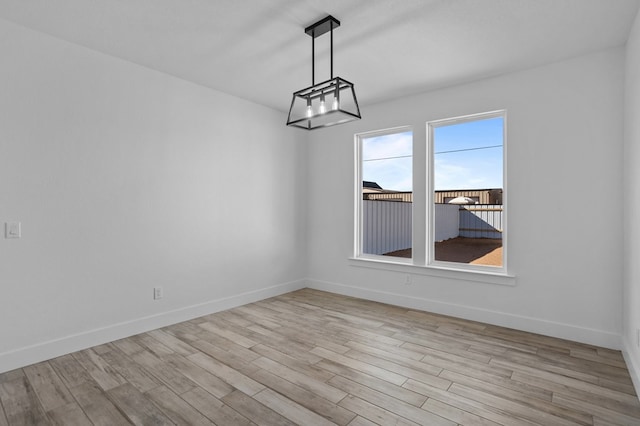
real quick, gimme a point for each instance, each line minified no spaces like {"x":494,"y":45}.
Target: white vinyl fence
{"x":481,"y":221}
{"x":447,"y":221}
{"x":387,"y":224}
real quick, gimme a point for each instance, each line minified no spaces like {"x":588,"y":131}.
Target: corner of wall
{"x":632,"y":364}
{"x":48,"y":350}
{"x":631,"y":184}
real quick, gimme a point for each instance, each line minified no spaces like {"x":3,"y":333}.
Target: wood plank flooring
{"x":316,"y":358}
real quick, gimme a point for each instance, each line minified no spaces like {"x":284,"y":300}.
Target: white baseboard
{"x":47,"y":350}
{"x":518,"y":322}
{"x":633,"y":365}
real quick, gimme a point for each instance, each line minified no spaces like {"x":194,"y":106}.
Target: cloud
{"x":450,"y":175}
{"x":465,"y":175}
{"x":387,"y":160}
{"x":393,"y":174}
{"x":393,"y":145}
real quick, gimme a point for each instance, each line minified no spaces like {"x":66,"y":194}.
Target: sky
{"x":386,"y":160}
{"x":476,"y":162}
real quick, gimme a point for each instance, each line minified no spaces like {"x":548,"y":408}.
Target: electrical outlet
{"x":12,"y":230}
{"x":408,"y":280}
{"x":157,"y":293}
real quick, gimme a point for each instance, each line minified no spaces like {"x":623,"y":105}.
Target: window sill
{"x":439,"y":270}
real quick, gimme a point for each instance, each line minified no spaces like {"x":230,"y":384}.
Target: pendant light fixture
{"x":328,"y":103}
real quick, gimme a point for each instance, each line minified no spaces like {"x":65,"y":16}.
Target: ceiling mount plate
{"x":322,"y":26}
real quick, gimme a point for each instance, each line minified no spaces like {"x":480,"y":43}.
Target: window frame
{"x":422,"y":262}
{"x":358,"y":207}
{"x":430,"y":211}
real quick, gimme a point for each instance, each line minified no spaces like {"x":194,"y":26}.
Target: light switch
{"x":12,"y":230}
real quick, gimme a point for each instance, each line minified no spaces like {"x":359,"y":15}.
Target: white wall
{"x":564,"y":144}
{"x":125,"y":179}
{"x":631,"y":284}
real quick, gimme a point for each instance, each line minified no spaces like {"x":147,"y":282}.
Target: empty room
{"x":296,"y":212}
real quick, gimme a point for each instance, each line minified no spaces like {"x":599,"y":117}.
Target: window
{"x":385,"y":197}
{"x":460,"y":223}
{"x":466,"y":220}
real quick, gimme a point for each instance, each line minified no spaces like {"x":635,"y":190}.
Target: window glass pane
{"x":387,"y":195}
{"x":468,"y":190}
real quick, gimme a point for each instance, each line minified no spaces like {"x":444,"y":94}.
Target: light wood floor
{"x":315,"y":358}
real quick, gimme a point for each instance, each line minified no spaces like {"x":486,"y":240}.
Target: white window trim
{"x":405,"y":266}
{"x":430,"y":261}
{"x":427,"y":265}
{"x":358,"y":237}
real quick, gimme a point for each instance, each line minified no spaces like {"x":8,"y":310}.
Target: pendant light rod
{"x":316,"y":30}
{"x":313,"y":59}
{"x":332,"y":50}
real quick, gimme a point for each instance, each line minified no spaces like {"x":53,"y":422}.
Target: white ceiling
{"x":257,"y":49}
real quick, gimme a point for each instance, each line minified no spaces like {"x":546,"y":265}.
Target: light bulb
{"x":336,"y":104}
{"x":309,"y":109}
{"x":323,"y":108}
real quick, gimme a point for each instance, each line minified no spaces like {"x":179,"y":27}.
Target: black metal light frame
{"x":344,"y":107}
